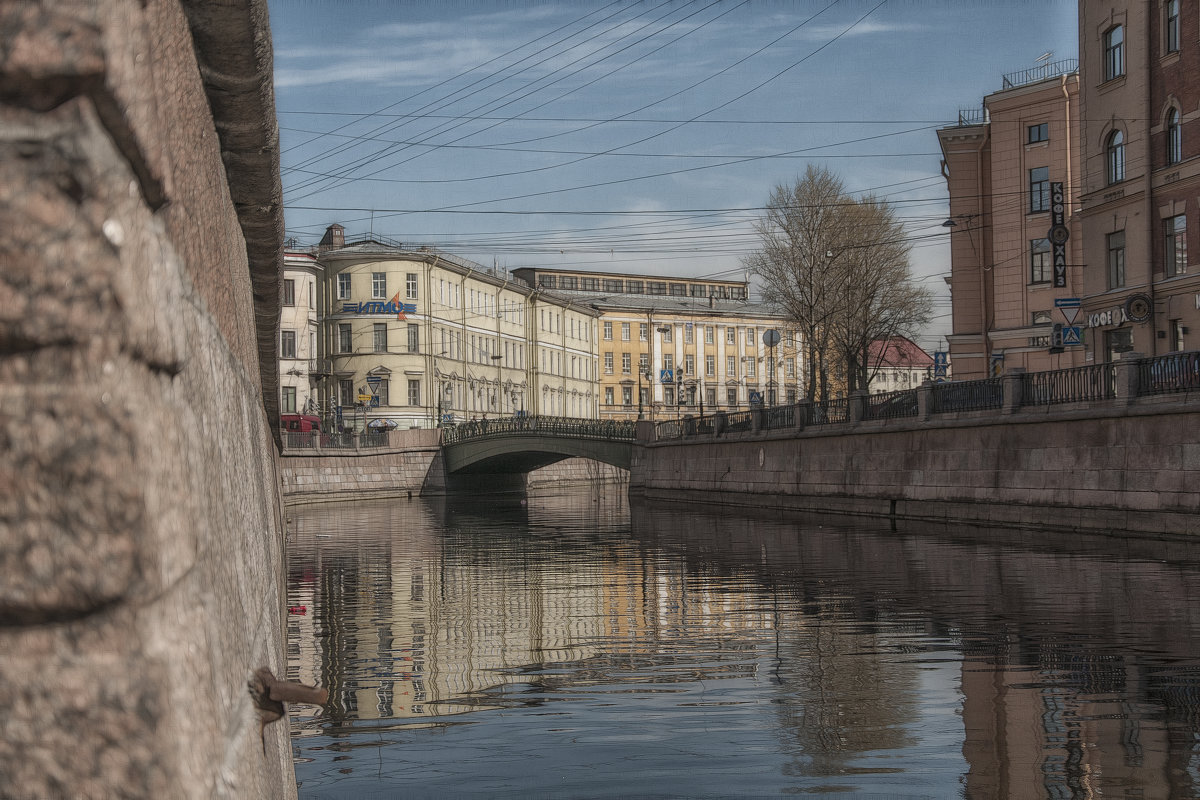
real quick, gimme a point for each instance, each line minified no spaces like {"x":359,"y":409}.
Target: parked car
{"x":299,"y":423}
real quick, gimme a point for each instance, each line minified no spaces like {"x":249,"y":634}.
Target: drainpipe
{"x":1147,"y":193}
{"x":432,"y":393}
{"x":981,"y":256}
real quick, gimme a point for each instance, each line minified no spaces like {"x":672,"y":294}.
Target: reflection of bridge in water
{"x":517,"y":445}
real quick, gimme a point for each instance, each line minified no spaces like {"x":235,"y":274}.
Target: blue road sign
{"x":666,"y":376}
{"x":1072,"y":334}
{"x":1066,"y":302}
{"x":940,"y":357}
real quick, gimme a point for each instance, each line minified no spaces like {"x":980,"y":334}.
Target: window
{"x":414,"y":391}
{"x":710,"y":395}
{"x":656,"y":287}
{"x":289,"y":293}
{"x":643,"y":363}
{"x":710,"y":366}
{"x":1174,"y":137}
{"x":414,"y":338}
{"x":698,"y":290}
{"x":568,"y":282}
{"x":633,"y":287}
{"x":627,"y":395}
{"x":643,"y":331}
{"x":708,"y":334}
{"x":1039,"y":189}
{"x":589,"y":284}
{"x":410,"y":285}
{"x":1118,"y":342}
{"x":546,"y":281}
{"x":669,"y":395}
{"x":749,"y":367}
{"x":731,"y":366}
{"x":288,"y":400}
{"x":688,"y":333}
{"x":791,"y":397}
{"x":1177,"y":332}
{"x":1171,"y":28}
{"x":1116,"y":157}
{"x":624,"y":331}
{"x":1116,"y":259}
{"x":643,"y":395}
{"x":379,"y":338}
{"x":731,"y":335}
{"x":608,"y":395}
{"x":1039,"y":261}
{"x":381,"y":394}
{"x":343,"y":286}
{"x":1175,"y":230}
{"x":614,"y":285}
{"x":789,"y":368}
{"x":1114,"y":53}
{"x":679,"y":290}
{"x":1041,"y":318}
{"x":378,"y":285}
{"x":751,"y":338}
{"x":608,"y":331}
{"x":689,"y":364}
{"x":667,"y":332}
{"x":668,"y":361}
{"x":731,"y":397}
{"x":287,"y":344}
{"x":345,"y":392}
{"x":1039,"y":133}
{"x":626,"y":363}
{"x":608,"y":363}
{"x":312,"y":294}
{"x":344,"y":340}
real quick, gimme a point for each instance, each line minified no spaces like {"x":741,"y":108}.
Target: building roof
{"x":898,"y":353}
{"x":666,"y":304}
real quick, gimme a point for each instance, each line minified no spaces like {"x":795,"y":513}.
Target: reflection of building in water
{"x":1057,"y":729}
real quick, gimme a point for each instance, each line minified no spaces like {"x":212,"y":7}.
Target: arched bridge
{"x":517,"y":445}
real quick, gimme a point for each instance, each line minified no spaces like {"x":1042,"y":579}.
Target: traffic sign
{"x":1066,"y":302}
{"x":1072,"y":334}
{"x":666,"y":375}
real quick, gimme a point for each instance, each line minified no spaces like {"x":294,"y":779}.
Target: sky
{"x":640,"y":137}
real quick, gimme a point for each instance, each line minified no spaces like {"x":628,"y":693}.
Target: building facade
{"x":418,"y":338}
{"x":897,"y":364}
{"x":300,"y":368}
{"x":1012,"y":169}
{"x":671,"y":346}
{"x":1140,"y":185}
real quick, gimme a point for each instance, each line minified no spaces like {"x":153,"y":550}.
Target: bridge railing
{"x":610,"y":429}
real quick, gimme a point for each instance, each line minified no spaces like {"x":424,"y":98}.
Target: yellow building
{"x":415,"y":337}
{"x":669,"y":346}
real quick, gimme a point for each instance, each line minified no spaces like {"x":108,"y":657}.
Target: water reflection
{"x":567,"y":645}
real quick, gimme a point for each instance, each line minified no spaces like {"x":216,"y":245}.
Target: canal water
{"x":566,"y":645}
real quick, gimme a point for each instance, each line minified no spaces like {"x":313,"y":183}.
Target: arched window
{"x":1116,"y":157}
{"x":1174,"y":137}
{"x":1114,"y":53}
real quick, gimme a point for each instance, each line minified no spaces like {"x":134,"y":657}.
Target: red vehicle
{"x":299,"y":423}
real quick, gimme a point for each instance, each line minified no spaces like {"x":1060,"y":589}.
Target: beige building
{"x":300,"y":369}
{"x":668,"y":346}
{"x":1140,"y":184}
{"x":1013,"y":169}
{"x":415,"y":337}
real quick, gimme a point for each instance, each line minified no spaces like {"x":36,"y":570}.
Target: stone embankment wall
{"x":410,"y":465}
{"x":1117,"y":469}
{"x":141,"y":549}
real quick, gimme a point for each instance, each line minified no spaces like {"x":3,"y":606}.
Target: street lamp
{"x":649,"y":381}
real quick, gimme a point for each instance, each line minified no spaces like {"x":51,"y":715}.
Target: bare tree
{"x":838,"y":268}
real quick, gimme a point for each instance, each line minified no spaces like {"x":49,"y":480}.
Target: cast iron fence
{"x":978,"y":395}
{"x":1078,"y":384}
